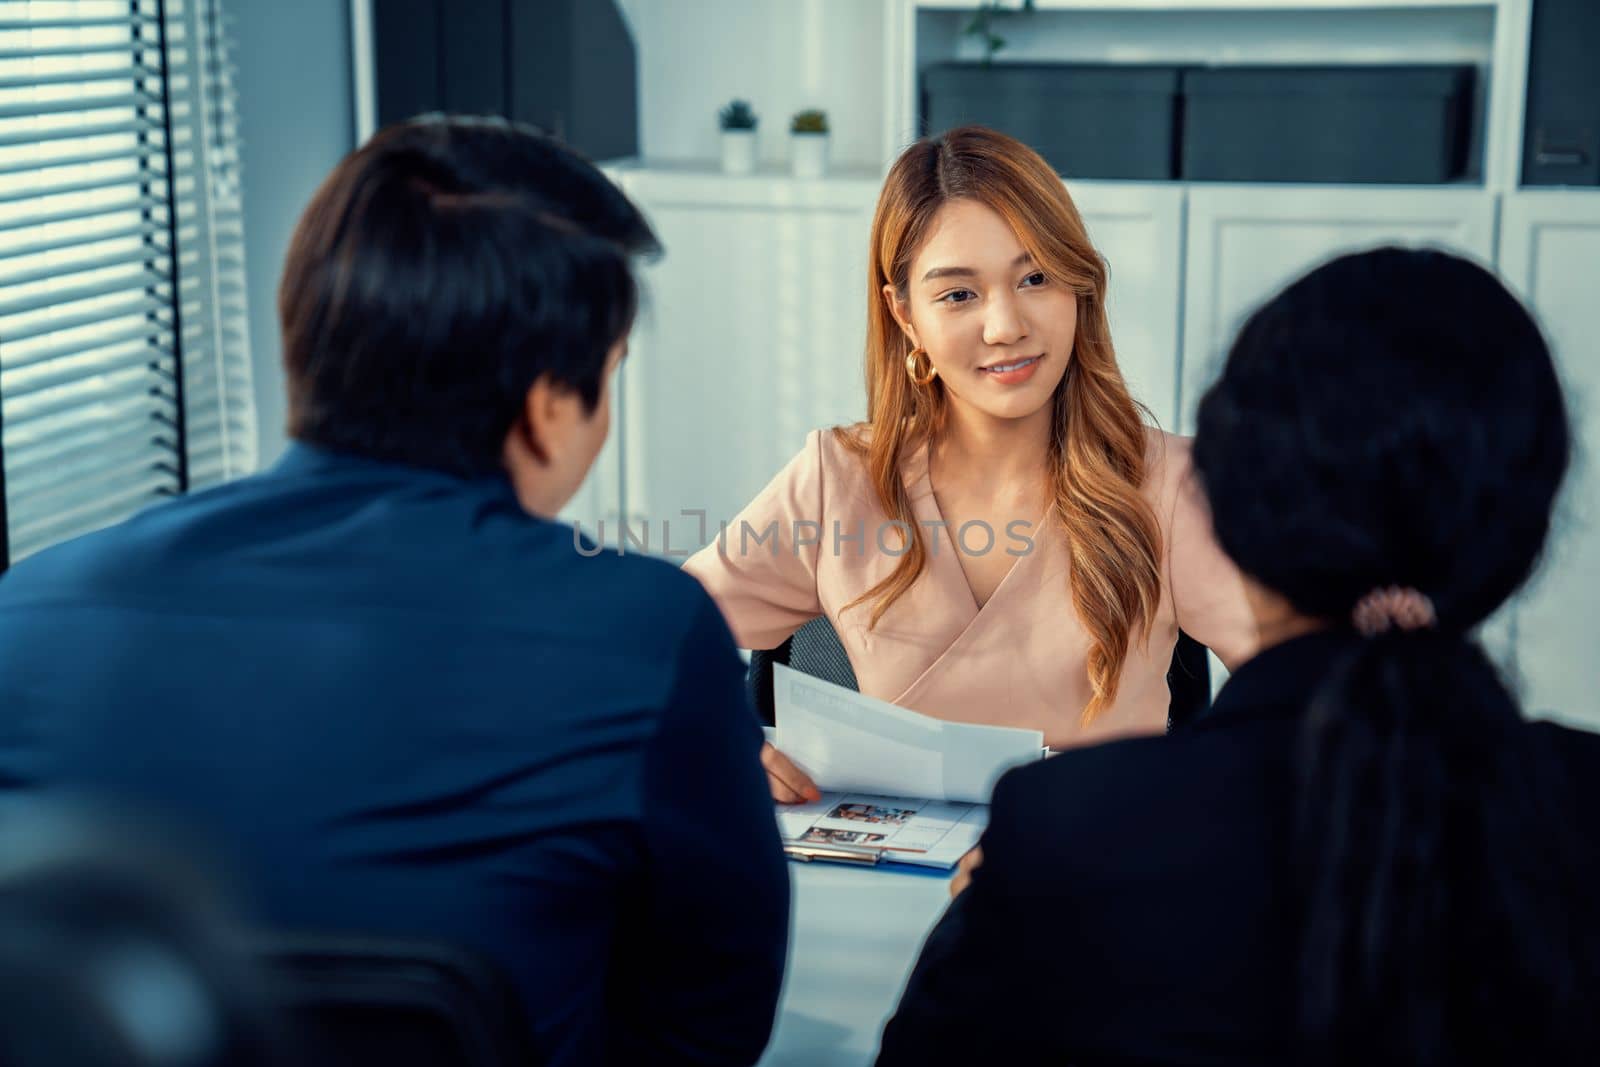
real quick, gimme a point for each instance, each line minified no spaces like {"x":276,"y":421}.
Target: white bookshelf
{"x":1491,"y":35}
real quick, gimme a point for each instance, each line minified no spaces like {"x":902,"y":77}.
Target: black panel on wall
{"x":406,"y":67}
{"x":566,"y":66}
{"x":472,"y":47}
{"x":541,"y":91}
{"x":605,"y":83}
{"x":1561,"y":139}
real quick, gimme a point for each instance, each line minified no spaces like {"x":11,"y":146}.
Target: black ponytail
{"x":1394,"y":419}
{"x":1407,"y":754}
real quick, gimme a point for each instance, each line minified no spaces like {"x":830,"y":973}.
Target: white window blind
{"x":124,"y":361}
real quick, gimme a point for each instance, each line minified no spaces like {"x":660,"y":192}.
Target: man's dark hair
{"x":442,"y":269}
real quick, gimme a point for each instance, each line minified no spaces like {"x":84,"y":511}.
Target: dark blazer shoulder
{"x":1068,"y":810}
{"x":1579,"y":745}
{"x":1577,"y":751}
{"x":1133,"y":766}
{"x":648,"y":595}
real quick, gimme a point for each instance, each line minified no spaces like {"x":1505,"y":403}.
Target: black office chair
{"x":1189,"y":682}
{"x":117,"y":950}
{"x":392,"y":1002}
{"x":815,"y":649}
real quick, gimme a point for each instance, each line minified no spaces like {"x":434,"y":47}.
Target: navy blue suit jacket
{"x":398,"y":704}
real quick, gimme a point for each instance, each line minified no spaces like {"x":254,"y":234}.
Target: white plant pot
{"x":808,"y":154}
{"x":738,"y":151}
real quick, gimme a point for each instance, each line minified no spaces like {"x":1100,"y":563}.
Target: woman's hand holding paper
{"x":790,"y":785}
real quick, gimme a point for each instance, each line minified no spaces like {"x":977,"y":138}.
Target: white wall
{"x":781,"y":55}
{"x":293,"y":59}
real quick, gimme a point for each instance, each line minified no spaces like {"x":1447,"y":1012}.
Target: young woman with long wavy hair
{"x":1004,"y":540}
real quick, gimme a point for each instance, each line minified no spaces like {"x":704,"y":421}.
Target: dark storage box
{"x":1562,"y":134}
{"x":1326,"y":124}
{"x":1087,"y":121}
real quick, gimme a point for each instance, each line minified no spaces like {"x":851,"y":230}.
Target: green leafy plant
{"x":811,"y":121}
{"x":737,"y":116}
{"x":981,"y":25}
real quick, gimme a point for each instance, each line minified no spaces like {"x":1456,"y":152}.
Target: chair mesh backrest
{"x":815,"y":649}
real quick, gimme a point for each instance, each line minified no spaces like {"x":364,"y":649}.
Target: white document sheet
{"x":852,"y":743}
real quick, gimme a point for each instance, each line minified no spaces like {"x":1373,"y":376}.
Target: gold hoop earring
{"x":917,"y":377}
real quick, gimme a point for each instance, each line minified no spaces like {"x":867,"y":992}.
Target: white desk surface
{"x":854,"y":934}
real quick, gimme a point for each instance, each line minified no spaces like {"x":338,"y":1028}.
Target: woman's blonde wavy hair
{"x":1097,"y":458}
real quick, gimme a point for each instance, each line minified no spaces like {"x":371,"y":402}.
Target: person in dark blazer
{"x":1362,"y":853}
{"x":381,"y":677}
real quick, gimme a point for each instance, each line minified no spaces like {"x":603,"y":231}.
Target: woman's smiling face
{"x":996,"y":328}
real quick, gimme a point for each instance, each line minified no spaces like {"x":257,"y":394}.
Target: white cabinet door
{"x":1246,"y":242}
{"x":1138,"y":228}
{"x":751,"y":334}
{"x":1550,"y":253}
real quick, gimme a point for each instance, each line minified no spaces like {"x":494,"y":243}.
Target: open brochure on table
{"x":898,"y":786}
{"x":864,"y":828}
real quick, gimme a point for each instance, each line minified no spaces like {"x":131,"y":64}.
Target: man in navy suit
{"x":382,"y":680}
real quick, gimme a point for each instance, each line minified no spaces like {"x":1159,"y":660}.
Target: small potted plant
{"x":981,"y":26}
{"x":808,"y":144}
{"x":738,"y":124}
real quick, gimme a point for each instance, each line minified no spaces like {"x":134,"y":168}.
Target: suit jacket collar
{"x":303,"y":460}
{"x":1280,"y":680}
